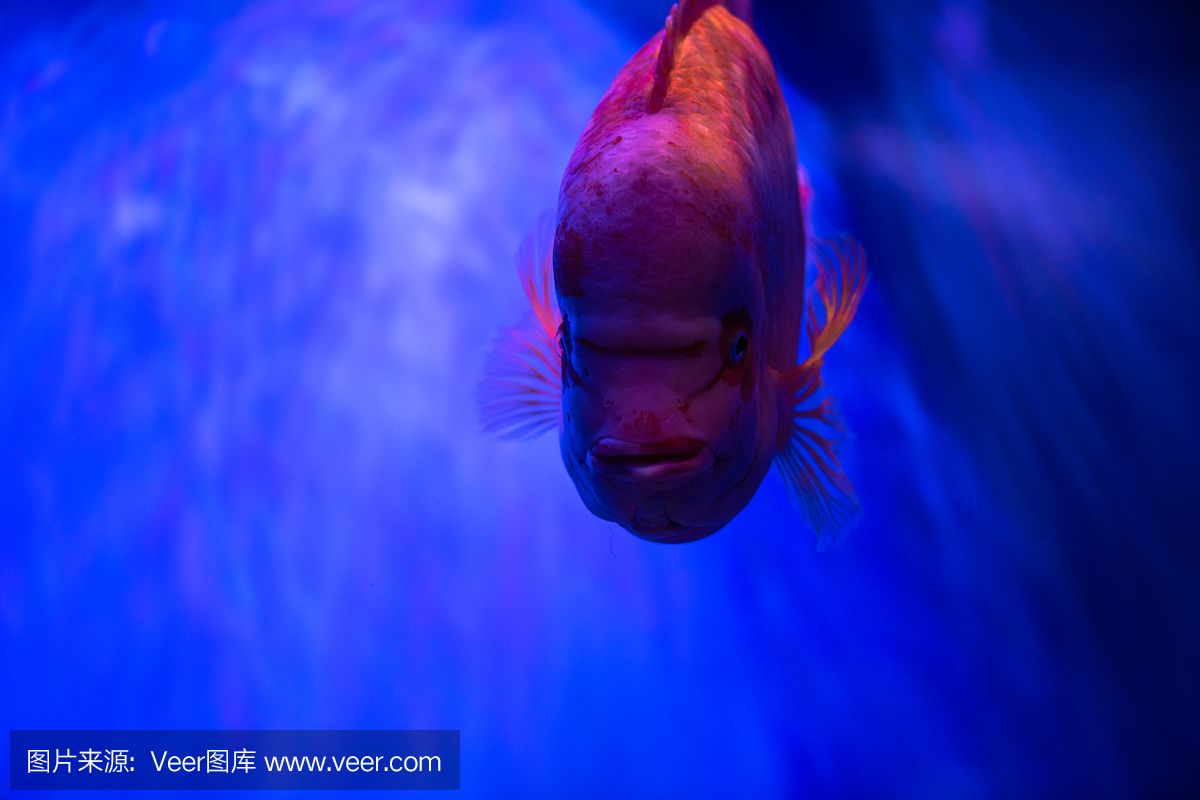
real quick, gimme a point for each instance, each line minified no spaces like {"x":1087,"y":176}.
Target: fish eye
{"x":741,"y":344}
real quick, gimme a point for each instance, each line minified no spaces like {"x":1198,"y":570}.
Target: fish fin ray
{"x":535,"y":268}
{"x":811,"y":431}
{"x":810,"y":428}
{"x":520,"y":395}
{"x":841,"y":279}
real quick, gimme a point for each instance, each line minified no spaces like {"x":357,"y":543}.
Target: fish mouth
{"x":664,"y":460}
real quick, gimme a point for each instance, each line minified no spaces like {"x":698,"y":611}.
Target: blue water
{"x":255,"y":253}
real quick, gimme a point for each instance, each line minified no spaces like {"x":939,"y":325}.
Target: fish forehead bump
{"x":662,"y":207}
{"x":655,"y":211}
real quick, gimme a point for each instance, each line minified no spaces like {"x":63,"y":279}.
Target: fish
{"x":667,"y":298}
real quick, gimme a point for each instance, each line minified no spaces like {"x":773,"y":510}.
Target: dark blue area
{"x":255,"y":254}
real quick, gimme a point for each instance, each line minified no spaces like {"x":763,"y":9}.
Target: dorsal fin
{"x":679,"y":21}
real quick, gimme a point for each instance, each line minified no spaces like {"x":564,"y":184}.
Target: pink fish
{"x":667,"y":354}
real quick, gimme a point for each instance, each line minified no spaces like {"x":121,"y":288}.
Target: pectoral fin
{"x":520,"y":395}
{"x":841,"y":280}
{"x":810,"y":428}
{"x":807,"y":456}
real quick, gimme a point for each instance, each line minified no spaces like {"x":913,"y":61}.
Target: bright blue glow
{"x":255,"y":256}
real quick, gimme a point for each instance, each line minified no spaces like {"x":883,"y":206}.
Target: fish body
{"x":667,"y":352}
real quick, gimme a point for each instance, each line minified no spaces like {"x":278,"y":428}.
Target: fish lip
{"x":664,"y":460}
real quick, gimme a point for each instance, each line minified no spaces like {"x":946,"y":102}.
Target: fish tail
{"x":520,"y":395}
{"x":810,"y":429}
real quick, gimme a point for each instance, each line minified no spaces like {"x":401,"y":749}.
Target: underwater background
{"x":254,"y":255}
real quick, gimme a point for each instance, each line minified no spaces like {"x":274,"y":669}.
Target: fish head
{"x":667,"y":416}
{"x":665,"y":420}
